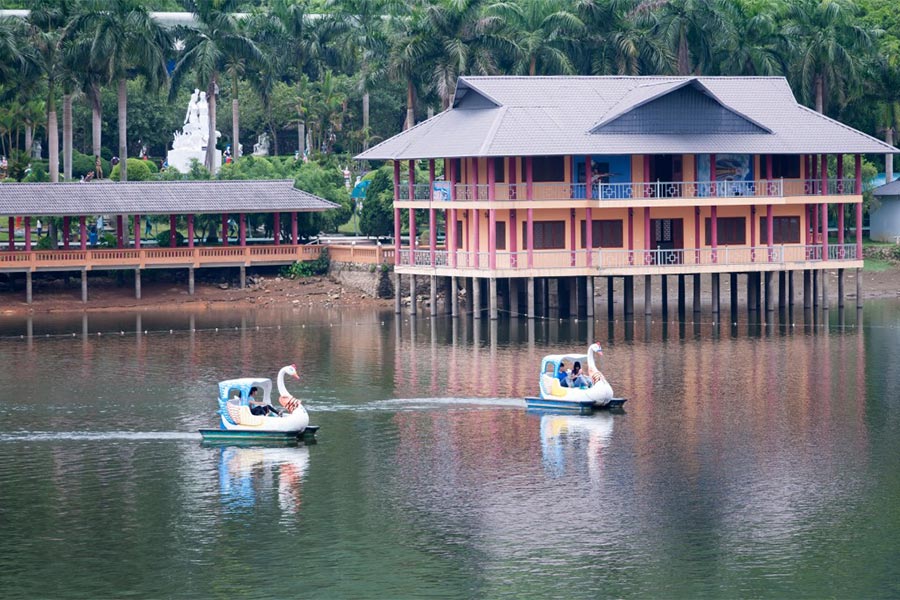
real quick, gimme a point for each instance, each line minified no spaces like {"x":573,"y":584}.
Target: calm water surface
{"x":749,"y":462}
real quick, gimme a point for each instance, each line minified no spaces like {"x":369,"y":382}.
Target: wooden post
{"x":696,"y":292}
{"x":66,"y":232}
{"x":225,"y":229}
{"x":454,"y":298}
{"x":173,"y":240}
{"x":276,"y":226}
{"x":681,"y":303}
{"x":28,"y":290}
{"x":530,"y":293}
{"x":492,"y":217}
{"x":190,"y":281}
{"x":84,"y":287}
{"x":610,"y":304}
{"x":137,"y":232}
{"x":295,"y":237}
{"x":648,"y":287}
{"x":82,"y":232}
{"x":27,"y":234}
{"x":242,"y":230}
{"x":190,"y":224}
{"x":529,"y":228}
{"x":589,"y":296}
{"x":137,"y":284}
{"x":492,"y":296}
{"x":629,"y":296}
{"x":11,"y":225}
{"x":733,"y":304}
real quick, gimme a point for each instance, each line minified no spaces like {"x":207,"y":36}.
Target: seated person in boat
{"x":259,"y":407}
{"x":577,"y":379}
{"x":563,"y":375}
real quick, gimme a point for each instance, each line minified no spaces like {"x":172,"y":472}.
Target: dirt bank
{"x":106,"y":295}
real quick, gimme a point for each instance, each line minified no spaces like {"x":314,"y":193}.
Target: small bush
{"x":137,"y":170}
{"x":45,"y":243}
{"x":308,"y":268}
{"x":162,"y":238}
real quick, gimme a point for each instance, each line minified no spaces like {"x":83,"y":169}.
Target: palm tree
{"x":410,"y":41}
{"x":465,"y":41}
{"x":44,"y":55}
{"x":125,"y":41}
{"x":617,"y":43}
{"x":541,"y":32}
{"x":216,"y":42}
{"x":360,"y":24}
{"x":756,"y":45}
{"x":689,"y":28}
{"x":831,"y":49}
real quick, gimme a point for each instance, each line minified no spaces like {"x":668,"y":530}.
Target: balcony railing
{"x":624,"y":259}
{"x":774,"y":188}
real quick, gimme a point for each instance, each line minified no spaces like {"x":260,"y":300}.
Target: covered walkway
{"x":79,"y":206}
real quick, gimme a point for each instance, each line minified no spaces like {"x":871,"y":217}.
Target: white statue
{"x":36,"y":149}
{"x":191,"y":142}
{"x":261,"y":147}
{"x":192,"y":107}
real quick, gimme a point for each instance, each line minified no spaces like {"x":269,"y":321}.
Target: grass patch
{"x":876,"y":266}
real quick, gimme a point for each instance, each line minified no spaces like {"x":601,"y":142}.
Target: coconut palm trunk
{"x":96,"y":123}
{"x":29,"y":138}
{"x":410,"y":109}
{"x":235,"y":128}
{"x":211,"y":141}
{"x":889,"y":158}
{"x":67,"y":136}
{"x":820,"y":94}
{"x":365,"y":100}
{"x":123,"y":129}
{"x":53,"y":137}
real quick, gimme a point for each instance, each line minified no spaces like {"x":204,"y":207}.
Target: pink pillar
{"x":697,"y":235}
{"x":476,"y":238}
{"x":295,"y":237}
{"x":225,"y":229}
{"x":631,"y":236}
{"x":242,"y":230}
{"x":824,"y":174}
{"x":432,"y":232}
{"x":27,"y":234}
{"x":12,"y":233}
{"x":840,"y":173}
{"x":753,"y":233}
{"x":529,"y":195}
{"x":714,"y":232}
{"x":589,"y":235}
{"x":492,"y":213}
{"x":647,"y":235}
{"x":713,"y":187}
{"x":82,"y":231}
{"x":450,"y":174}
{"x":513,"y":239}
{"x":137,"y":232}
{"x":841,"y":211}
{"x":276,"y":226}
{"x":120,"y":231}
{"x":572,"y":255}
{"x":66,"y":232}
{"x":190,"y":220}
{"x":396,"y":212}
{"x":858,"y":188}
{"x":173,"y":240}
{"x":815,"y":233}
{"x":770,"y":229}
{"x":648,"y":190}
{"x":859,"y":230}
{"x":769,"y":188}
{"x":588,"y":191}
{"x":412,"y":212}
{"x":824,"y":231}
{"x":513,"y":177}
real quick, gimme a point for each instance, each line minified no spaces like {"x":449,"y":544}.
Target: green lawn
{"x":875,"y":265}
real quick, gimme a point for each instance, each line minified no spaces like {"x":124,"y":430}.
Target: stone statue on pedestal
{"x":261,"y":147}
{"x":191,"y":142}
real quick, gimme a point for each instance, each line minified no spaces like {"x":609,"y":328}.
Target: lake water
{"x":750,"y":461}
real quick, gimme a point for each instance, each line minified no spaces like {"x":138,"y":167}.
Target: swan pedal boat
{"x":583,"y":399}
{"x":238,"y":424}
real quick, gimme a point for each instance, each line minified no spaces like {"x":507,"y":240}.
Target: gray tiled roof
{"x":888,"y":189}
{"x":555,"y":115}
{"x":157,"y":197}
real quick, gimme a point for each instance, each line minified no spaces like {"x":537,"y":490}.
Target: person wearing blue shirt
{"x":563,"y":375}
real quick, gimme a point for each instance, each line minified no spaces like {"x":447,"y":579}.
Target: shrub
{"x":82,"y":164}
{"x":308,"y":268}
{"x":137,"y":170}
{"x":45,"y":243}
{"x":162,"y":238}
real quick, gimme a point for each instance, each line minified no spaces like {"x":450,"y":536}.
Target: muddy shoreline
{"x":273,"y":291}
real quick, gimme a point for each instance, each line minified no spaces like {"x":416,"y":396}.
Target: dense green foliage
{"x":332,"y":77}
{"x":309,"y":268}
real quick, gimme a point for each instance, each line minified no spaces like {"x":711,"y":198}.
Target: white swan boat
{"x":236,"y":422}
{"x":554,"y":395}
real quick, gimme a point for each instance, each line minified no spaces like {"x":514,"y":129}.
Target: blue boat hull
{"x":580,"y":406}
{"x":257,"y":437}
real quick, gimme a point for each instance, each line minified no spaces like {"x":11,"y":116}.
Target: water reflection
{"x":567,"y":439}
{"x":250,"y":476}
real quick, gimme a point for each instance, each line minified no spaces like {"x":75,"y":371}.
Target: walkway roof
{"x":157,"y":197}
{"x":540,"y":116}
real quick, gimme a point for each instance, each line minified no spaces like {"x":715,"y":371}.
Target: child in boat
{"x":577,"y":379}
{"x":258,"y":407}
